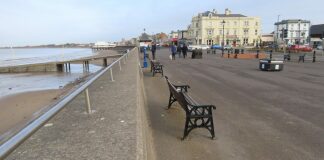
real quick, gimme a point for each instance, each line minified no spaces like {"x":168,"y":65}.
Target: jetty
{"x":61,"y":64}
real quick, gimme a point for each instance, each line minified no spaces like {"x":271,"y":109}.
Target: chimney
{"x":227,"y":11}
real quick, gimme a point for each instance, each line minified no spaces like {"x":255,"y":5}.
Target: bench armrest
{"x":182,"y":87}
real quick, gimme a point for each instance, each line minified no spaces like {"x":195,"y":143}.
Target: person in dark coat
{"x":184,"y":50}
{"x":153,"y":49}
{"x":179,"y":50}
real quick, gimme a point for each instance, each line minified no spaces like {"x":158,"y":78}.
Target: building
{"x":267,"y":39}
{"x":103,"y":45}
{"x":145,"y":40}
{"x":174,"y":37}
{"x":232,"y":29}
{"x":317,"y":35}
{"x":292,"y":31}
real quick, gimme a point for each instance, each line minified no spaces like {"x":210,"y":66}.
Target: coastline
{"x":20,"y":108}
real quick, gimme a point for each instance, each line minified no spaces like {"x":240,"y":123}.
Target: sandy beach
{"x":20,"y":108}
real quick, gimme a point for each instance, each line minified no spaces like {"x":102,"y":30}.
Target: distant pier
{"x":57,"y":66}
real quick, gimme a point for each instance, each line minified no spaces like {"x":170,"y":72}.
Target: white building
{"x":292,"y":31}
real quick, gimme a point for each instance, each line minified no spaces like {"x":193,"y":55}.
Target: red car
{"x":302,"y":48}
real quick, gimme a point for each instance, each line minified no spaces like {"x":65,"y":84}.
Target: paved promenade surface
{"x":111,"y":132}
{"x":259,"y":115}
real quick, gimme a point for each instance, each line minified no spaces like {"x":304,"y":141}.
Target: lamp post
{"x":298,"y":34}
{"x":223,"y":22}
{"x":277,"y":35}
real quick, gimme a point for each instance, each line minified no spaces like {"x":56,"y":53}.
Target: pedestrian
{"x":179,"y":50}
{"x":173,"y":51}
{"x":184,"y":50}
{"x":153,"y":50}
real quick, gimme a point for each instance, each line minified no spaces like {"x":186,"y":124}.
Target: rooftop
{"x":292,"y":21}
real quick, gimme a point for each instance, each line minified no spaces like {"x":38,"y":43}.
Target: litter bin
{"x":270,"y":65}
{"x":236,"y":51}
{"x":196,"y":54}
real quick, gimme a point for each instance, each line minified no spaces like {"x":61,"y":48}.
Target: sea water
{"x":13,"y":83}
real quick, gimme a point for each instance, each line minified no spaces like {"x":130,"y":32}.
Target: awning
{"x":316,"y":40}
{"x":174,"y":39}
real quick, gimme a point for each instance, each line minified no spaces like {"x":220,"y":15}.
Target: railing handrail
{"x":12,"y":143}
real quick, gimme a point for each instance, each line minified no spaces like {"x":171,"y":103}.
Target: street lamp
{"x":298,"y":33}
{"x":223,"y":22}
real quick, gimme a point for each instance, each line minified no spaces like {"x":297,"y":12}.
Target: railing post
{"x":86,"y":93}
{"x":111,"y":74}
{"x":119,"y":65}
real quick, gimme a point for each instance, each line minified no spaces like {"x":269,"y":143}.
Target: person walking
{"x":173,"y":51}
{"x":179,"y":50}
{"x":153,"y":50}
{"x":184,"y":50}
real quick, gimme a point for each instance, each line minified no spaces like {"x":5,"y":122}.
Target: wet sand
{"x":20,"y":108}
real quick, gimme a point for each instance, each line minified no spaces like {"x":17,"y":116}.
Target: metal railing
{"x":12,"y":143}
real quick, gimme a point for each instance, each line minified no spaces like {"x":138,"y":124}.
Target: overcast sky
{"x":33,"y":22}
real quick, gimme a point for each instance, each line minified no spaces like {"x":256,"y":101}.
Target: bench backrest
{"x":178,"y":95}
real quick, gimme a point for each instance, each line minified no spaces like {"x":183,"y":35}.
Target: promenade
{"x":259,"y":115}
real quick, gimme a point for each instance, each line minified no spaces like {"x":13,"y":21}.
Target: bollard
{"x":257,"y":55}
{"x":111,"y":75}
{"x":86,"y":94}
{"x":270,"y":54}
{"x":314,"y":57}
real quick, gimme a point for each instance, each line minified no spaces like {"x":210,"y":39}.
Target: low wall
{"x":30,"y":68}
{"x":245,"y":56}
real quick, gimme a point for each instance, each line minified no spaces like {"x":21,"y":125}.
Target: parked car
{"x":192,"y":47}
{"x":303,"y":48}
{"x":216,"y":46}
{"x":228,"y":47}
{"x":319,"y":47}
{"x":202,"y":46}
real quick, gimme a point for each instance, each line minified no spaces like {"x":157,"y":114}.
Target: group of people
{"x":183,"y":48}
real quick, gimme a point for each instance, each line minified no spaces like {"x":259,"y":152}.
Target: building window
{"x":256,"y":23}
{"x":235,"y":23}
{"x":246,"y":32}
{"x":292,"y":34}
{"x":245,"y":41}
{"x":220,"y":32}
{"x":246,"y":23}
{"x":196,"y":33}
{"x":209,"y":32}
{"x":227,"y":32}
{"x":256,"y":32}
{"x":197,"y":25}
{"x":235,"y":32}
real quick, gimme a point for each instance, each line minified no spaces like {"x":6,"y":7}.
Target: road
{"x":259,"y":115}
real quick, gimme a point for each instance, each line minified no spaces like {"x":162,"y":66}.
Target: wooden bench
{"x":197,"y":116}
{"x":156,"y":67}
